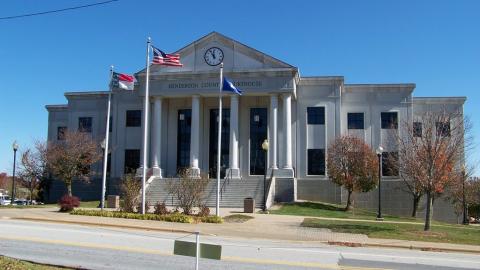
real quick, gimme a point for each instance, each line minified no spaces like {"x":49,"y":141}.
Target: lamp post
{"x":15,"y":148}
{"x":465,"y":208}
{"x":265,"y":149}
{"x":379,"y":155}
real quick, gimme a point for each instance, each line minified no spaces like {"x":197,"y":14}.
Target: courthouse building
{"x":299,"y":116}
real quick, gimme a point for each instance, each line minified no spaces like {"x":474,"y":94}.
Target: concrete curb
{"x":412,"y":247}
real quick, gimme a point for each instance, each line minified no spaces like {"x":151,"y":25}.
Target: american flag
{"x":166,"y":59}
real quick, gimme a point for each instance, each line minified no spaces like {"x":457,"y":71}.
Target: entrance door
{"x":225,"y":144}
{"x":184,"y":124}
{"x":258,"y":134}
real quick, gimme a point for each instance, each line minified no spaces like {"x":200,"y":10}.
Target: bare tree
{"x":353,"y":165}
{"x":71,"y":158}
{"x":431,"y":153}
{"x":3,"y":181}
{"x":464,"y":191}
{"x":188,"y":190}
{"x":33,"y":166}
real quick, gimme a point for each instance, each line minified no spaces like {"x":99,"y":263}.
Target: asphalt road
{"x":89,"y":247}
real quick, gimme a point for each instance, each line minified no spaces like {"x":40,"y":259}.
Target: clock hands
{"x":213,"y":54}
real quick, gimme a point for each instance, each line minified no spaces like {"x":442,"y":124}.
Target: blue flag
{"x":228,"y":86}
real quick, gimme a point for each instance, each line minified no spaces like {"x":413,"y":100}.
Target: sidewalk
{"x":271,"y":227}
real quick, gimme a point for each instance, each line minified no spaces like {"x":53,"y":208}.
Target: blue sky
{"x":435,"y":44}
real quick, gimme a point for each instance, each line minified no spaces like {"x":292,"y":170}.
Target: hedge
{"x":173,"y":217}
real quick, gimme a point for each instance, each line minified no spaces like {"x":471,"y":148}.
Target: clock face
{"x":213,"y":56}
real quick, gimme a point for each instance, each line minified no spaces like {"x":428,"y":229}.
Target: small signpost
{"x":197,"y":250}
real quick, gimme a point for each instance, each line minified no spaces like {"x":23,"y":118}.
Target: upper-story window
{"x":417,"y":129}
{"x":85,"y":124}
{"x":316,"y":115}
{"x":355,"y":121}
{"x":389,"y":120}
{"x":134,"y":118}
{"x":443,"y":129}
{"x":110,"y":125}
{"x":61,"y":133}
{"x":389,"y":163}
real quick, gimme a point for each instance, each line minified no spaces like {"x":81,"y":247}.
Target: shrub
{"x":211,"y":219}
{"x":139,"y":206}
{"x":68,"y":203}
{"x":204,"y":211}
{"x":130,"y":192}
{"x":188,"y":190}
{"x":161,"y":209}
{"x":176,"y":217}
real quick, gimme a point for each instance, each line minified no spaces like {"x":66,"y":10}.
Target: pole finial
{"x":111,"y":67}
{"x":221,"y":65}
{"x":149,"y":39}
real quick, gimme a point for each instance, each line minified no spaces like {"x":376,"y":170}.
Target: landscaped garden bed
{"x":169,"y":217}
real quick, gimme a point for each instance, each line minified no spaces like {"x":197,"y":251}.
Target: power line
{"x":55,"y":11}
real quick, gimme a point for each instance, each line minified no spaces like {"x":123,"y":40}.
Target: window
{"x":417,"y":129}
{"x":355,"y":121}
{"x":184,"y":126}
{"x":316,"y":162}
{"x":258,"y":134}
{"x":316,"y":115}
{"x":85,"y":124}
{"x":389,"y":120}
{"x":389,"y":167}
{"x":132,"y":160}
{"x":213,"y":145}
{"x":61,"y":133}
{"x":134,"y":118}
{"x":110,"y":125}
{"x":443,"y":129}
{"x":109,"y":162}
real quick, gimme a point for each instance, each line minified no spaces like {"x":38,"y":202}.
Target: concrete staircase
{"x":232,"y":192}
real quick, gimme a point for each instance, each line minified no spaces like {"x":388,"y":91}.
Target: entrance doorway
{"x":213,"y":143}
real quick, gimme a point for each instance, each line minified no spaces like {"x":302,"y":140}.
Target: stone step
{"x":233,"y":192}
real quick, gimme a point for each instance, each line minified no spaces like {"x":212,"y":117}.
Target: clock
{"x":213,"y":56}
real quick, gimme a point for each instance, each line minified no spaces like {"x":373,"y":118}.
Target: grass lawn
{"x":317,"y":209}
{"x":14,"y":264}
{"x":455,"y":234}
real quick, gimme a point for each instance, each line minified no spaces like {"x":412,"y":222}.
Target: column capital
{"x":157,"y":98}
{"x":286,"y":95}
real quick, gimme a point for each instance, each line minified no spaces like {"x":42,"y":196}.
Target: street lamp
{"x":265,"y":148}
{"x":379,"y":155}
{"x":15,"y":148}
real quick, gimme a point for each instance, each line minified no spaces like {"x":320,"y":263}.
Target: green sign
{"x":207,"y":251}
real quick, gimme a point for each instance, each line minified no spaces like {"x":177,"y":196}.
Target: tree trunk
{"x":349,"y":201}
{"x":416,"y":201}
{"x":69,"y":188}
{"x":428,"y":215}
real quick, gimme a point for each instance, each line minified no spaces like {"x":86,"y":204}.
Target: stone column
{"x":233,"y":171}
{"x":287,"y":126}
{"x":195,"y":136}
{"x":157,"y":136}
{"x":272,"y":141}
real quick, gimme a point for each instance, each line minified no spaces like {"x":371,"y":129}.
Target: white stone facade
{"x":270,"y":86}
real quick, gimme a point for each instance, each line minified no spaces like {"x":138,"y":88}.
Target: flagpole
{"x":107,"y":136}
{"x":145,"y":126}
{"x":219,"y":145}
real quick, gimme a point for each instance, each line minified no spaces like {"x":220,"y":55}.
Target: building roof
{"x":439,"y":100}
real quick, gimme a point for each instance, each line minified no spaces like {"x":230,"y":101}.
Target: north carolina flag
{"x":123,"y":81}
{"x":228,"y":86}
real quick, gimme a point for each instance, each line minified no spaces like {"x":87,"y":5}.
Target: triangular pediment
{"x":236,"y":57}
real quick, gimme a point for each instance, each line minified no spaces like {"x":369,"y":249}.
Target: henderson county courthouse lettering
{"x":300,"y":117}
